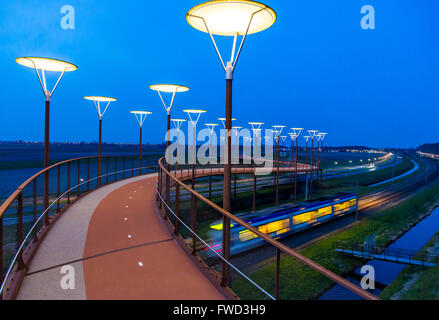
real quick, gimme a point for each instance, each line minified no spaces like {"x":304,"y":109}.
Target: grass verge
{"x":300,"y":282}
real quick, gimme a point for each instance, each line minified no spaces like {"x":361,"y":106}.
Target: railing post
{"x":1,"y":253}
{"x":79,"y":177}
{"x":276,"y":294}
{"x":159,"y":182}
{"x":68,"y":182}
{"x":35,"y":210}
{"x":254,"y":191}
{"x":58,"y":193}
{"x":46,"y":196}
{"x":177,"y":209}
{"x":88,"y":174}
{"x":194,"y":222}
{"x":210,"y":187}
{"x":132,"y":167}
{"x":123,"y":167}
{"x":106,"y":165}
{"x":20,"y":229}
{"x":234,"y":189}
{"x":115,"y":169}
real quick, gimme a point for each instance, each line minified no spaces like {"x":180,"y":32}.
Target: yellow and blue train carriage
{"x":285,"y":222}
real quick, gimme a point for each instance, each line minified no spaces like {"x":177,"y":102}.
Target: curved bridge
{"x":115,"y":242}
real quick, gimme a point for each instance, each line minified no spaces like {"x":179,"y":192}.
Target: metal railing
{"x":177,"y":180}
{"x":25,"y":219}
{"x":401,"y":255}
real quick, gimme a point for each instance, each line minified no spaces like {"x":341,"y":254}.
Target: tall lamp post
{"x":312,"y":134}
{"x":235,"y":131}
{"x":172,"y":89}
{"x":322,"y":137}
{"x":194,"y":116}
{"x":140,"y":116}
{"x":223,"y":121}
{"x":177,"y":124}
{"x":293,"y":138}
{"x":211,"y":127}
{"x":297,"y":132}
{"x":229,"y":18}
{"x":96,"y":101}
{"x":42,"y":65}
{"x":256,"y":129}
{"x":277,"y":130}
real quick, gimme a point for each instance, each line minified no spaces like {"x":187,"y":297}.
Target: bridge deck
{"x":385,"y":257}
{"x":119,"y":249}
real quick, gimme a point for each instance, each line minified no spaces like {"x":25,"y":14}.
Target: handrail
{"x":31,"y":230}
{"x":317,"y":267}
{"x":211,"y":249}
{"x":5,"y":205}
{"x":63,"y":176}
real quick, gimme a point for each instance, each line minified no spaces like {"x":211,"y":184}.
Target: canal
{"x":386,"y":272}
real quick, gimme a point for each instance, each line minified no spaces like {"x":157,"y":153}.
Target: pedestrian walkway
{"x":119,"y":248}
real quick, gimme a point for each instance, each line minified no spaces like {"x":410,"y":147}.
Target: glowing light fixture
{"x":230,"y":18}
{"x":97,"y":103}
{"x":168,"y":88}
{"x":140,"y":117}
{"x":41,"y":65}
{"x":194,"y":116}
{"x":227,"y":18}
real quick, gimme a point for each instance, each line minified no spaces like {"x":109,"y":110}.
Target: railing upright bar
{"x":20,"y":218}
{"x":34,"y":217}
{"x":20,"y":229}
{"x":68,"y":182}
{"x":1,"y":253}
{"x":106,"y":167}
{"x":276,"y":294}
{"x":177,"y":209}
{"x":79,"y":178}
{"x":58,"y":192}
{"x":88,"y":174}
{"x":194,"y":222}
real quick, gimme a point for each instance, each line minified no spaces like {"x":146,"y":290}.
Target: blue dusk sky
{"x":314,"y":68}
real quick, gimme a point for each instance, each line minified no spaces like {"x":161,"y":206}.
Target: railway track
{"x":367,"y":203}
{"x":399,"y":190}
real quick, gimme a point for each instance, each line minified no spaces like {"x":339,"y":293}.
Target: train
{"x":285,"y":222}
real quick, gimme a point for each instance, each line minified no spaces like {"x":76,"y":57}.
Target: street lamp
{"x":322,"y":137}
{"x":296,"y":132}
{"x":312,"y":134}
{"x":140,"y":116}
{"x":211,"y":127}
{"x":223,"y":121}
{"x":177,"y":124}
{"x":96,"y":101}
{"x":230,"y":18}
{"x":194,"y":116}
{"x":172,"y":89}
{"x":277,"y":130}
{"x":235,"y":131}
{"x":256,"y":129}
{"x":50,"y":65}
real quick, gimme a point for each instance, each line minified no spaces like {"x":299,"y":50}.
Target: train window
{"x":274,"y":226}
{"x":344,"y":206}
{"x":302,"y":218}
{"x":323,"y":211}
{"x":246,"y":235}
